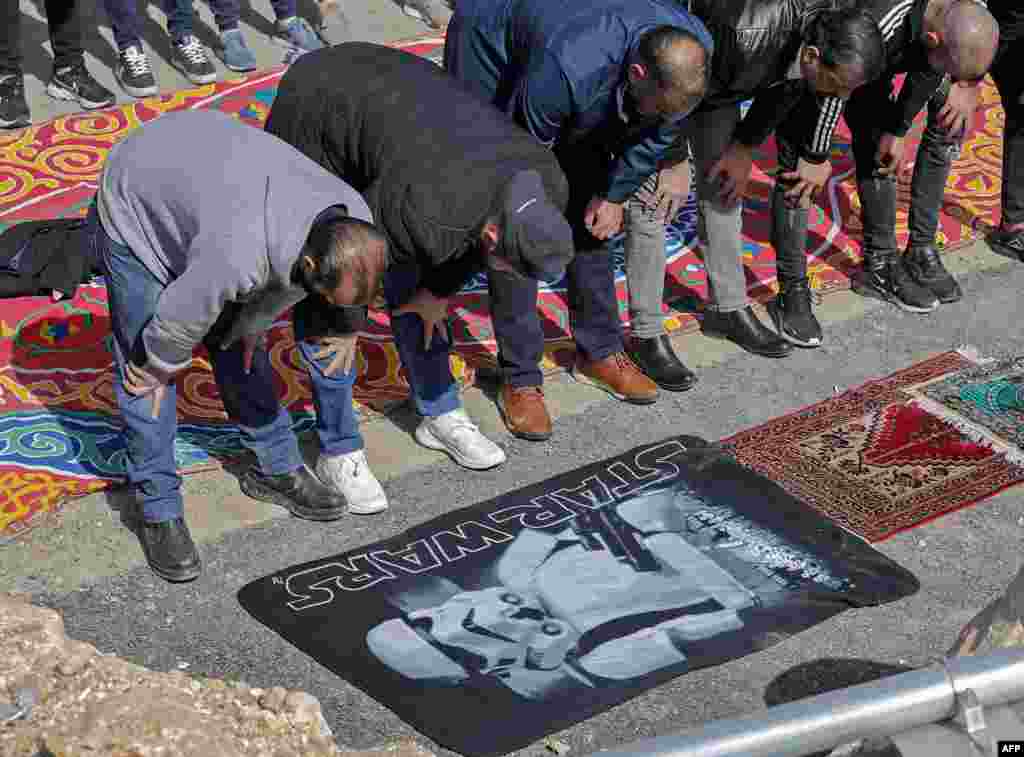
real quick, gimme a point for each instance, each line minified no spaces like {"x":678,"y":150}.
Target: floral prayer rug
{"x":985,"y":402}
{"x":877,"y":461}
{"x":57,"y":365}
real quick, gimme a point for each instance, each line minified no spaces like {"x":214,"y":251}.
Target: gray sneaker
{"x":189,"y":56}
{"x":235,"y":52}
{"x":298,"y":33}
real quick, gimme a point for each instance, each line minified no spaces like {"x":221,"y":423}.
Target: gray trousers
{"x":709,"y":132}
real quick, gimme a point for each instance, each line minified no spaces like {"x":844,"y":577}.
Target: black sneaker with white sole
{"x":134,"y":74}
{"x":13,"y":108}
{"x":925,"y":266}
{"x":793,"y":313}
{"x":75,"y":83}
{"x":189,"y":56}
{"x":1001,"y":240}
{"x":888,"y":280}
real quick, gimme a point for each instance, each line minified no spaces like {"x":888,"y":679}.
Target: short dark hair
{"x":346,"y":247}
{"x":656,"y":50}
{"x":848,"y":37}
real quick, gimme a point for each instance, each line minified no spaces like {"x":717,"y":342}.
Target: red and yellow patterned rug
{"x":58,"y":427}
{"x":874,"y":460}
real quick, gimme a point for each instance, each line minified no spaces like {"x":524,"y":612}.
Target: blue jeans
{"x":433,"y":387}
{"x":250,"y":399}
{"x":434,"y":390}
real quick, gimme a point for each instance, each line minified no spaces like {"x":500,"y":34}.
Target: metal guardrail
{"x":962,"y":688}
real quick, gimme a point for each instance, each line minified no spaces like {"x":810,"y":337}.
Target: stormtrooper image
{"x":622,"y":591}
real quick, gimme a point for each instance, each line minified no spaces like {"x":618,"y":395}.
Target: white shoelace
{"x":192,"y":50}
{"x":135,"y":61}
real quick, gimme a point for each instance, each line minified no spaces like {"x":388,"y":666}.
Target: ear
{"x":308,"y":265}
{"x":489,"y":237}
{"x":637,"y":72}
{"x":932,"y":40}
{"x":810,"y":54}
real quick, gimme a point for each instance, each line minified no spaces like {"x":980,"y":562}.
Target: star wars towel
{"x":497,"y":624}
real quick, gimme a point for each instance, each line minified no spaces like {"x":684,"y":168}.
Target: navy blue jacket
{"x":558,"y":68}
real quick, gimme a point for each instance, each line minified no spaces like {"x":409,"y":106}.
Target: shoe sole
{"x":371,"y":509}
{"x":135,"y":91}
{"x":236,"y":69}
{"x":58,"y":92}
{"x":711,"y":333}
{"x":426,"y":438}
{"x":194,"y":78}
{"x":265,"y":494}
{"x":867,"y":291}
{"x":17,"y":123}
{"x":583,"y":378}
{"x":776,"y":316}
{"x":530,"y":436}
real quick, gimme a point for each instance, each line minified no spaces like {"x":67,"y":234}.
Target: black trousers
{"x":878,"y":193}
{"x":1008,"y":74}
{"x":65,"y":22}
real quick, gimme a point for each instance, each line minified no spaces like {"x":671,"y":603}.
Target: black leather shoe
{"x":169,"y":550}
{"x":659,"y":362}
{"x":299,"y":491}
{"x":743,"y":328}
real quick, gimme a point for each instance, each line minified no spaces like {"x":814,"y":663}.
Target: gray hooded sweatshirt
{"x":219,"y":212}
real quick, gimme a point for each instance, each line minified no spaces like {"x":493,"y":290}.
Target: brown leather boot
{"x":524,"y":412}
{"x":618,"y":376}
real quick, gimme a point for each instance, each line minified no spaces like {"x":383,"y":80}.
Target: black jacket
{"x":756,"y":46}
{"x":430,"y":157}
{"x":38,"y":257}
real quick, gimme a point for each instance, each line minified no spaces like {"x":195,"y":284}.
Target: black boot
{"x":169,"y":549}
{"x":299,"y":491}
{"x":744,"y":328}
{"x":656,"y":358}
{"x":793,"y":315}
{"x":885,"y":278}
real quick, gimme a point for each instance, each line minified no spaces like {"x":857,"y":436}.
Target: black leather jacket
{"x":756,"y":47}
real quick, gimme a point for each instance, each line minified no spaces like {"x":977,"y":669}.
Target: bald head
{"x":675,"y":66}
{"x":967,"y":34}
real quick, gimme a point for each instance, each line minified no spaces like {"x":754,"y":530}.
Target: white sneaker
{"x":457,"y":435}
{"x":351,"y":476}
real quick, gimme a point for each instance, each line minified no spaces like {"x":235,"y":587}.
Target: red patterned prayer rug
{"x":873,"y":460}
{"x":60,"y":410}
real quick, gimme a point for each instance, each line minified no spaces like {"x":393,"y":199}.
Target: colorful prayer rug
{"x":985,"y":402}
{"x":50,"y":170}
{"x":874,"y":460}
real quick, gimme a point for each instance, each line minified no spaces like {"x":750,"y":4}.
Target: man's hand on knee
{"x":731,"y":172}
{"x":603,"y":218}
{"x":806,"y":181}
{"x":341,"y":350}
{"x":958,"y":111}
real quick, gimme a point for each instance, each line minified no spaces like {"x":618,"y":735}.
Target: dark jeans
{"x":1009,"y":79}
{"x":789,"y":225}
{"x":878,"y":193}
{"x":227,"y":13}
{"x":65,"y":22}
{"x":593,"y":306}
{"x":124,"y":20}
